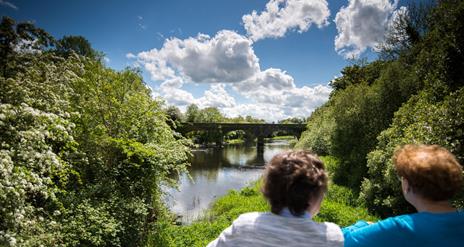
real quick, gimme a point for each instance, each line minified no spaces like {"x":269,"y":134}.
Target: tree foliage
{"x":84,"y":150}
{"x":414,"y":96}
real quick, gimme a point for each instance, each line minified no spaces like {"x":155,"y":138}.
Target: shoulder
{"x":249,"y":217}
{"x":333,"y":232}
{"x":385,"y":231}
{"x":400,"y":222}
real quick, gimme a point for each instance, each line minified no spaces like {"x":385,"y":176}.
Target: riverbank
{"x":291,"y":139}
{"x":339,"y":206}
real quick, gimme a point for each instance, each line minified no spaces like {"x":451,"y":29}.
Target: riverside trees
{"x":83,"y":148}
{"x":414,"y":96}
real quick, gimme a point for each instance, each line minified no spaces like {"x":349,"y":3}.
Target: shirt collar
{"x":286,"y":213}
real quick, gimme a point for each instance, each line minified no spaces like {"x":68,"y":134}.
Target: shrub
{"x":421,"y":120}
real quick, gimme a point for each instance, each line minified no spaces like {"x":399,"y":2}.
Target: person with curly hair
{"x":430,"y":176}
{"x":294,"y":184}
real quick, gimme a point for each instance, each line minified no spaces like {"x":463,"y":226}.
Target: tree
{"x":210,"y":115}
{"x":407,"y":28}
{"x":174,"y":113}
{"x":20,"y":37}
{"x":78,"y":44}
{"x":84,"y":150}
{"x":192,"y":113}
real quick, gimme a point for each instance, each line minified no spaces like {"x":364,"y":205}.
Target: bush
{"x":421,"y":120}
{"x":83,"y":151}
{"x":319,"y":129}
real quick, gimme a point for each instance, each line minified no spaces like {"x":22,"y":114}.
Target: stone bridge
{"x":260,"y":130}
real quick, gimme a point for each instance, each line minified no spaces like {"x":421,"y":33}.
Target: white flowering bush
{"x":83,"y":151}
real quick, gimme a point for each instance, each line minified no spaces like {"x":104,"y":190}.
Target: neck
{"x":423,"y":205}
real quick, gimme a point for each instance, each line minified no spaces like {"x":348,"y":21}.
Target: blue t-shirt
{"x":419,"y":229}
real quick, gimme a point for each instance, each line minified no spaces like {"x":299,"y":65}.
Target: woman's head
{"x":431,"y":171}
{"x":294,"y":179}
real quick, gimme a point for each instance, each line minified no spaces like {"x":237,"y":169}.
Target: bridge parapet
{"x":260,"y":130}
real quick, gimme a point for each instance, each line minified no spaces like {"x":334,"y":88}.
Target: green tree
{"x":210,"y":115}
{"x":84,"y":150}
{"x":192,"y":113}
{"x":421,"y":120}
{"x":17,"y":38}
{"x":78,"y":44}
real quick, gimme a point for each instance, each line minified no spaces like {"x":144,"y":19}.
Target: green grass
{"x":339,"y":206}
{"x":282,"y":138}
{"x":235,"y":141}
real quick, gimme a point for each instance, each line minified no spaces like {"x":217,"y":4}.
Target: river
{"x":215,"y":171}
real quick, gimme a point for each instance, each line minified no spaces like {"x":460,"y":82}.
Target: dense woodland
{"x":84,"y":149}
{"x":414,"y":93}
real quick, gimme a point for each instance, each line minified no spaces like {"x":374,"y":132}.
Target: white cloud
{"x":8,"y":4}
{"x":262,"y":111}
{"x":227,"y":61}
{"x":226,"y":57}
{"x":282,"y":16}
{"x":107,"y":59}
{"x":216,"y":96}
{"x":274,"y":87}
{"x":272,"y":95}
{"x":171,"y":91}
{"x":266,"y":86}
{"x":361,"y":25}
{"x":130,"y":55}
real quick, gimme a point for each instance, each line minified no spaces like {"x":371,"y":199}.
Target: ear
{"x":405,"y":185}
{"x":315,"y":205}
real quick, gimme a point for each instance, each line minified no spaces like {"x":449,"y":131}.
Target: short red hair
{"x":432,"y":171}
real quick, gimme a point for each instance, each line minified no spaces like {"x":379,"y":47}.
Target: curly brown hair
{"x":431,"y":171}
{"x":292,"y":179}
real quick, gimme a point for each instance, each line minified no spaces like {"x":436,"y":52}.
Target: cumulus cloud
{"x":226,"y":57}
{"x":275,"y":87}
{"x":228,"y":62}
{"x":171,"y":91}
{"x":216,"y":96}
{"x":266,"y":86}
{"x":130,"y":55}
{"x":272,"y":93}
{"x":267,"y":112}
{"x":361,"y":25}
{"x":281,"y":16}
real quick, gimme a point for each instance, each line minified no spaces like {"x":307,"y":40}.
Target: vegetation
{"x":212,"y":115}
{"x":339,"y":206}
{"x":412,"y":94}
{"x":83,"y":148}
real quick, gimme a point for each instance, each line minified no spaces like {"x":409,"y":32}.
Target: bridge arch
{"x":260,"y":130}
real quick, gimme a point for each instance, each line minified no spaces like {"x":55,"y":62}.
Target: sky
{"x":271,"y":59}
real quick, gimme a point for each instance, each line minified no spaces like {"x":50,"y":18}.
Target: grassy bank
{"x":235,"y":141}
{"x":339,"y":206}
{"x":281,"y":138}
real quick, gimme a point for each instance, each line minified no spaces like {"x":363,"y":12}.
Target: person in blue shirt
{"x":430,"y":176}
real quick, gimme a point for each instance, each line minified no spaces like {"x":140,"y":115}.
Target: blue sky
{"x":273,"y":65}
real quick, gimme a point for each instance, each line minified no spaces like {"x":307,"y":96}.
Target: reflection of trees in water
{"x":214,"y":171}
{"x":195,"y":202}
{"x":207,"y":162}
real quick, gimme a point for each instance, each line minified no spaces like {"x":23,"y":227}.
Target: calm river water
{"x":213,"y":172}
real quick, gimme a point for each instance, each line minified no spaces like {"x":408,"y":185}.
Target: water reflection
{"x":214,"y":172}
